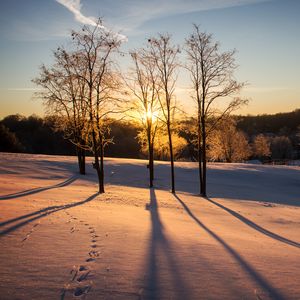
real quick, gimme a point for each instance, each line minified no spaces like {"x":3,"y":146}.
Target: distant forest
{"x":38,"y":135}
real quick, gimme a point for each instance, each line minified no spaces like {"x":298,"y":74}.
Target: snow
{"x":62,"y":240}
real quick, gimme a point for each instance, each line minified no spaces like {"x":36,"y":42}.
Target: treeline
{"x":38,"y":135}
{"x":278,"y":124}
{"x":281,"y":133}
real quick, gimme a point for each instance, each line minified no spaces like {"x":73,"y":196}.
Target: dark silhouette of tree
{"x":96,"y":71}
{"x":254,"y":125}
{"x":37,"y":135}
{"x":123,"y":139}
{"x":63,"y":95}
{"x":163,"y":55}
{"x":143,"y":84}
{"x":81,"y":89}
{"x":9,"y":141}
{"x":281,"y":147}
{"x":211,"y":74}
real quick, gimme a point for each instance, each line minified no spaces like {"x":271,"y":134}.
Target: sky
{"x":265,"y":33}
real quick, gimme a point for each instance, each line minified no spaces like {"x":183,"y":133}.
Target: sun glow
{"x":149,"y":115}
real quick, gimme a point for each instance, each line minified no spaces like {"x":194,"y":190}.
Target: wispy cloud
{"x":131,"y":14}
{"x":74,"y":6}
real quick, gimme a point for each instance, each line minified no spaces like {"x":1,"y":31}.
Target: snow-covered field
{"x":60,"y":239}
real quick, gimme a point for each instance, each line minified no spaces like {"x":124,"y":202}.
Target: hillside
{"x":60,"y":239}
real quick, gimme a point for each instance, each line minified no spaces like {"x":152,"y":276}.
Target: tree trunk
{"x":200,"y":165}
{"x":101,"y":180}
{"x":96,"y":164}
{"x":151,"y":165}
{"x":203,"y":148}
{"x":172,"y":159}
{"x":81,"y":160}
{"x":150,"y":156}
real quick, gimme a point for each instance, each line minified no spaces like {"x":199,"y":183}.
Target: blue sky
{"x":266,"y":35}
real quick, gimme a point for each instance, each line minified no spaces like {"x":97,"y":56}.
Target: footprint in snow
{"x":94,"y":253}
{"x":82,"y":268}
{"x":90,"y":259}
{"x":79,"y":291}
{"x":83,"y":277}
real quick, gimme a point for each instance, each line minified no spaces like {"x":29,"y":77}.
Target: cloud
{"x":74,"y":6}
{"x":131,"y":14}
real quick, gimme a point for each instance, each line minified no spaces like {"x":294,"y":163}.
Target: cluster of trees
{"x":84,"y":88}
{"x":38,"y":135}
{"x":228,"y":143}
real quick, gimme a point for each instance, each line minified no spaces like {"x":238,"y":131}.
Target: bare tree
{"x":163,"y":55}
{"x":95,"y":47}
{"x":63,"y":92}
{"x":143,"y":86}
{"x":212,"y":79}
{"x":82,"y":87}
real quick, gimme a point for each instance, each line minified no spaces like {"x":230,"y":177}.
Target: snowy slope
{"x":60,"y":239}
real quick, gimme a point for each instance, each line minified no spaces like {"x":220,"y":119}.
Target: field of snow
{"x":61,"y":240}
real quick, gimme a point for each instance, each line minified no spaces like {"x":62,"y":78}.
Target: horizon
{"x":181,"y":118}
{"x":263,"y":32}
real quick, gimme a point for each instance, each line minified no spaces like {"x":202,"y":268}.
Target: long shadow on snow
{"x":259,"y":279}
{"x":38,"y":190}
{"x":42,"y":164}
{"x":160,"y":247}
{"x":42,"y":213}
{"x":254,"y":183}
{"x":255,"y":226}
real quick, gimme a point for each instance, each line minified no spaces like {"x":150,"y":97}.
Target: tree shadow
{"x":247,"y":182}
{"x":38,"y":190}
{"x":160,"y":250}
{"x":40,"y":214}
{"x":255,"y":276}
{"x":254,"y":225}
